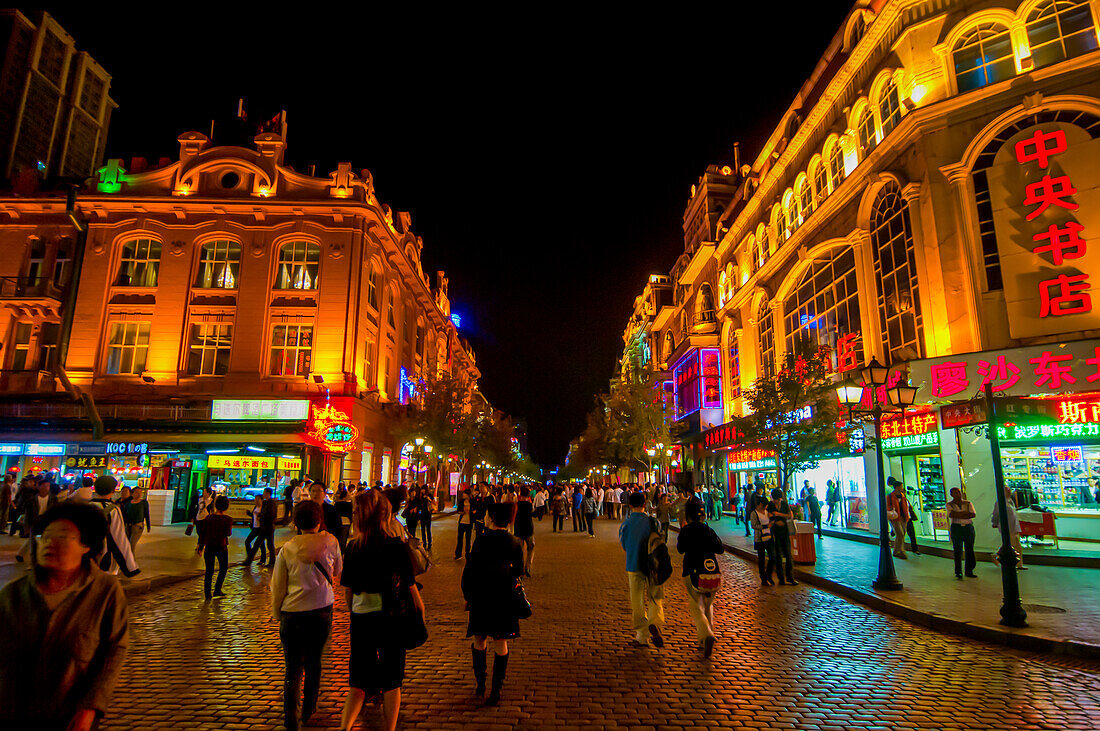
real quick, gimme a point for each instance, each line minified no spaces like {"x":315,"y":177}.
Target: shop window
{"x":140,"y":263}
{"x":824,"y":306}
{"x":21,"y":346}
{"x":1060,"y":29}
{"x":219,"y":265}
{"x":889,"y":107}
{"x":868,"y":138}
{"x":298,"y":265}
{"x":209,"y":349}
{"x":896,"y":275}
{"x":767,"y":341}
{"x":127,"y":348}
{"x":291,"y":350}
{"x":47,"y":345}
{"x":983,"y":56}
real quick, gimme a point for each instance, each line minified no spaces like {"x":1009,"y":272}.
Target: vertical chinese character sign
{"x":1045,"y":192}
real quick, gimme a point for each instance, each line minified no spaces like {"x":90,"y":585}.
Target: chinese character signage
{"x":722,"y":436}
{"x":967,"y":413}
{"x":1045,"y":193}
{"x":44,"y":450}
{"x":86,"y":463}
{"x":127,"y":448}
{"x":910,"y":431}
{"x":1066,"y":454}
{"x":11,"y":448}
{"x":240,"y":462}
{"x":1040,"y":369}
{"x":751,"y":458}
{"x":290,"y":464}
{"x":330,"y":425}
{"x":259,"y":409}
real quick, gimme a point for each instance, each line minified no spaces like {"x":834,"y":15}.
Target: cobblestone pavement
{"x":787,"y":657}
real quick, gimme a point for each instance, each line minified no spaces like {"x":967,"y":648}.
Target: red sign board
{"x":722,"y":436}
{"x":967,"y":413}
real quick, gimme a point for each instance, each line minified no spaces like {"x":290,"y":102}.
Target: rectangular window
{"x":209,"y":350}
{"x":298,"y":265}
{"x":219,"y":265}
{"x":386,"y":376}
{"x":687,"y":377}
{"x":372,"y":289}
{"x":127,"y":348}
{"x":368,"y":361}
{"x":47,"y":345}
{"x":22,"y":348}
{"x":291,"y":350}
{"x":140,"y":263}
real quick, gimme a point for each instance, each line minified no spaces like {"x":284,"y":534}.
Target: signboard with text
{"x":240,"y":462}
{"x":259,"y":409}
{"x":751,"y":458}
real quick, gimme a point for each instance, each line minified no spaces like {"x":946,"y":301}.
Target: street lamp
{"x":850,"y":395}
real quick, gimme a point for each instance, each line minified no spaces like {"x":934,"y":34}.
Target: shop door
{"x":179,"y":479}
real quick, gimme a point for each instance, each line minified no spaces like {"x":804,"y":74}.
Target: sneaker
{"x":958,"y":576}
{"x":655,"y":635}
{"x":791,"y":581}
{"x":708,"y":646}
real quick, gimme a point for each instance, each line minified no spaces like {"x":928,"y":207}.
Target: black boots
{"x":500,"y":669}
{"x":479,"y":670}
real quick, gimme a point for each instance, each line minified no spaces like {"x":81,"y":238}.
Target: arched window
{"x":762,"y":247}
{"x":779,"y":226}
{"x":767,"y":340}
{"x":819,"y":176}
{"x":704,"y":305}
{"x":805,"y":200}
{"x":219,"y":264}
{"x":373,"y":286}
{"x":896,"y":275}
{"x":790,"y":213}
{"x":889,"y":107}
{"x":298,"y":264}
{"x":731,"y":281}
{"x":825,"y":304}
{"x":983,"y":56}
{"x":1060,"y":29}
{"x":865,"y":128}
{"x":140,"y":263}
{"x":723,"y":283}
{"x":669,"y":346}
{"x":834,"y":157}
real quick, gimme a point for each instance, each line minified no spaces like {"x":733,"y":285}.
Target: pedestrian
{"x":7,"y":494}
{"x":489,"y":582}
{"x":719,"y":499}
{"x":646,"y":596}
{"x":465,"y":524}
{"x":214,"y":546}
{"x":813,"y":511}
{"x":341,"y":500}
{"x":428,"y":505}
{"x":735,"y":503}
{"x":557,"y":510}
{"x":578,"y":516}
{"x":780,"y":518}
{"x":910,"y":529}
{"x":600,"y":495}
{"x":330,"y":517}
{"x":481,"y":502}
{"x":255,"y":539}
{"x":116,"y":554}
{"x":897,"y":512}
{"x":135,"y":514}
{"x":524,"y":529}
{"x":664,"y":512}
{"x":763,"y":542}
{"x":65,"y":627}
{"x":268,"y":516}
{"x":288,"y":500}
{"x":204,"y":509}
{"x":37,"y":504}
{"x":1013,"y":531}
{"x":377,"y":577}
{"x":960,"y":513}
{"x":589,"y":511}
{"x":301,"y":602}
{"x":28,"y":489}
{"x":700,"y":546}
{"x":832,"y":497}
{"x":754,"y":494}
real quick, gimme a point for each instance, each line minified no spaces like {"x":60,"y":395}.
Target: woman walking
{"x":378,"y":575}
{"x":465,"y":524}
{"x":699,"y":544}
{"x":762,"y":541}
{"x":589,"y":508}
{"x":214,"y":545}
{"x":557,"y":511}
{"x":136,"y":516}
{"x":488,"y":584}
{"x":428,"y":504}
{"x":301,"y":601}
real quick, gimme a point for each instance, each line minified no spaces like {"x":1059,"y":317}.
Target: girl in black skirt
{"x":488,"y":583}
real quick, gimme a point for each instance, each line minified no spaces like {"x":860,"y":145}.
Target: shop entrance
{"x":922,"y":475}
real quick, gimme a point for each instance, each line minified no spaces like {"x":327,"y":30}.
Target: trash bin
{"x":803,"y":548}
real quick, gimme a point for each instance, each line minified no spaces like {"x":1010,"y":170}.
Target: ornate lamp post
{"x":900,"y":396}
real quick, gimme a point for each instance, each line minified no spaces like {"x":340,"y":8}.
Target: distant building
{"x":54,"y":100}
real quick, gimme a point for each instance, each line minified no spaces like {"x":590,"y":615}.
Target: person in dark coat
{"x":813,"y":510}
{"x":488,"y":582}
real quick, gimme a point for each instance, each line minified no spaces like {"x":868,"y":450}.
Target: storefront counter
{"x":1080,"y":524}
{"x":160,"y":506}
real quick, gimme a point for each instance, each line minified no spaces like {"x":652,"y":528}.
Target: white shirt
{"x":540,"y":499}
{"x":964,"y":507}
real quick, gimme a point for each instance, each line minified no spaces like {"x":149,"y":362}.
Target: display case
{"x":930,"y":474}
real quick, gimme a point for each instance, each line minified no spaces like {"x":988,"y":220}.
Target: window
{"x":763,"y":248}
{"x":368,"y":361}
{"x":1060,"y":29}
{"x":36,"y":261}
{"x":669,"y":346}
{"x":127,"y":348}
{"x":420,"y":340}
{"x":889,"y":107}
{"x":820,"y":176}
{"x":790,"y":213}
{"x":983,"y":56}
{"x":372,"y":288}
{"x":722,"y":285}
{"x":825,"y":304}
{"x":22,"y":346}
{"x":210,"y":346}
{"x":291,"y":350}
{"x":767,"y":340}
{"x":219,"y":265}
{"x":704,"y":305}
{"x":298,"y":264}
{"x":389,"y":314}
{"x":140,"y":263}
{"x":896,"y":275}
{"x":734,"y":367}
{"x":805,"y":200}
{"x":47,"y":345}
{"x":386,"y":376}
{"x":62,"y":264}
{"x":779,"y":223}
{"x":835,"y":161}
{"x":866,"y":130}
{"x":688,"y":379}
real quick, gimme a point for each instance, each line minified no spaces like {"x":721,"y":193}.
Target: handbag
{"x":520,"y":604}
{"x":406,"y":621}
{"x":421,"y":559}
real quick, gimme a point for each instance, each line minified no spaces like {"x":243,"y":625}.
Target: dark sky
{"x":546,"y":157}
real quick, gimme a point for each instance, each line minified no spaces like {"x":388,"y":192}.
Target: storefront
{"x":911,"y":444}
{"x":845,"y":468}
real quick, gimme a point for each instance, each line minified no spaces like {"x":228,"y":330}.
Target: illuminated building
{"x":926,"y":199}
{"x":225,"y":275}
{"x":55,"y":106}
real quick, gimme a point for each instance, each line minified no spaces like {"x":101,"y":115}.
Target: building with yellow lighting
{"x":925,"y":200}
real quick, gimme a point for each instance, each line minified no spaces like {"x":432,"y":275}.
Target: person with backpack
{"x":646,"y":556}
{"x":700,"y":545}
{"x":116,"y":553}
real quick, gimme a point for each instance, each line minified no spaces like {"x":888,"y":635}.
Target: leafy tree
{"x":445,"y":414}
{"x":778,"y":420}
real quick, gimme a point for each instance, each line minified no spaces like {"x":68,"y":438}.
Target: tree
{"x":779,"y":421}
{"x":638,"y":418}
{"x":446,"y":415}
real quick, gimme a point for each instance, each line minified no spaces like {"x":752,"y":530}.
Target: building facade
{"x":245,"y":321}
{"x":55,"y":104}
{"x":925,"y":200}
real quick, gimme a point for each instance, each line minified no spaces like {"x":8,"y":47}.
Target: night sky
{"x":546,"y":157}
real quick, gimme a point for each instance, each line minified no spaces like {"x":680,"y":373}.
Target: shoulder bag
{"x":520,"y":604}
{"x":421,"y":559}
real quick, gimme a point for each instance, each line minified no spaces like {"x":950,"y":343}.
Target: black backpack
{"x":658,"y":562}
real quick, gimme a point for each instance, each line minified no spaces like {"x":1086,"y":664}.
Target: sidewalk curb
{"x":1015,"y":639}
{"x":138,"y":586}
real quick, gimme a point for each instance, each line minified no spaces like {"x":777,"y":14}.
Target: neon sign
{"x":1066,"y":454}
{"x":407,"y":388}
{"x":751,"y":458}
{"x":332,"y":428}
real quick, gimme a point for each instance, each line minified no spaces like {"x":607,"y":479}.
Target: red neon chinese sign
{"x":908,"y":425}
{"x":331,"y":428}
{"x":1065,"y":294}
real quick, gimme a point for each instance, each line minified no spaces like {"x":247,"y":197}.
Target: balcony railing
{"x":29,"y":288}
{"x":72,"y":410}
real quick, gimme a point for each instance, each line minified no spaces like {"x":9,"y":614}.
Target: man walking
{"x":116,"y":552}
{"x":646,"y":598}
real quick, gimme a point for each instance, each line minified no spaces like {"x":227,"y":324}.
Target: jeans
{"x":647,"y":604}
{"x":303,"y":635}
{"x":578,"y":519}
{"x":528,"y":551}
{"x":465,"y":531}
{"x":701,"y":607}
{"x":590,"y":523}
{"x":222,"y":556}
{"x":832,"y":509}
{"x":962,"y":539}
{"x":254,"y":542}
{"x":782,"y":540}
{"x":910,"y":528}
{"x":426,"y":532}
{"x":559,"y":522}
{"x":765,"y":557}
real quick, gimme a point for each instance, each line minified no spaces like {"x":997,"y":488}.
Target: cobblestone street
{"x":785,"y":658}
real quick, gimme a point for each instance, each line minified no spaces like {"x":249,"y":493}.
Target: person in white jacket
{"x":301,"y":601}
{"x":117,"y":553}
